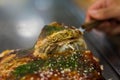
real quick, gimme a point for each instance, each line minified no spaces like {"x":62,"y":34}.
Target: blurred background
{"x":21,"y":22}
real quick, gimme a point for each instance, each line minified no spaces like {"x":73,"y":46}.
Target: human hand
{"x":105,"y":10}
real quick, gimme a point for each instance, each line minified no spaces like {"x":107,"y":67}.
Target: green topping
{"x":63,"y":62}
{"x":51,"y":29}
{"x":28,"y":68}
{"x":74,"y":62}
{"x":48,"y":30}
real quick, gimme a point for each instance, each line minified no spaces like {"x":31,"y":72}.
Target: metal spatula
{"x":92,"y":24}
{"x":88,"y":26}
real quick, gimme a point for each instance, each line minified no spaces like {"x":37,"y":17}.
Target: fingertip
{"x":87,"y":20}
{"x":95,"y":14}
{"x":88,"y":17}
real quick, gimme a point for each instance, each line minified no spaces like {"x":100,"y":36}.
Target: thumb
{"x":105,"y":13}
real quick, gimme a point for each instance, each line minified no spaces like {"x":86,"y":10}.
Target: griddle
{"x":14,"y":36}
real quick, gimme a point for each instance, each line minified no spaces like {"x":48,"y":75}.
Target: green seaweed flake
{"x":51,"y":29}
{"x":48,"y":30}
{"x":63,"y":62}
{"x":72,"y":62}
{"x":28,"y":68}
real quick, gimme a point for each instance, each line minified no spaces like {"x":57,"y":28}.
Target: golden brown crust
{"x":59,"y":54}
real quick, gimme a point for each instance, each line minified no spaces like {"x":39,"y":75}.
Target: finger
{"x":88,"y":18}
{"x":105,"y":13}
{"x":97,"y":5}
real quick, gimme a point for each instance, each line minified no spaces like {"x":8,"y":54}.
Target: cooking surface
{"x":20,"y":26}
